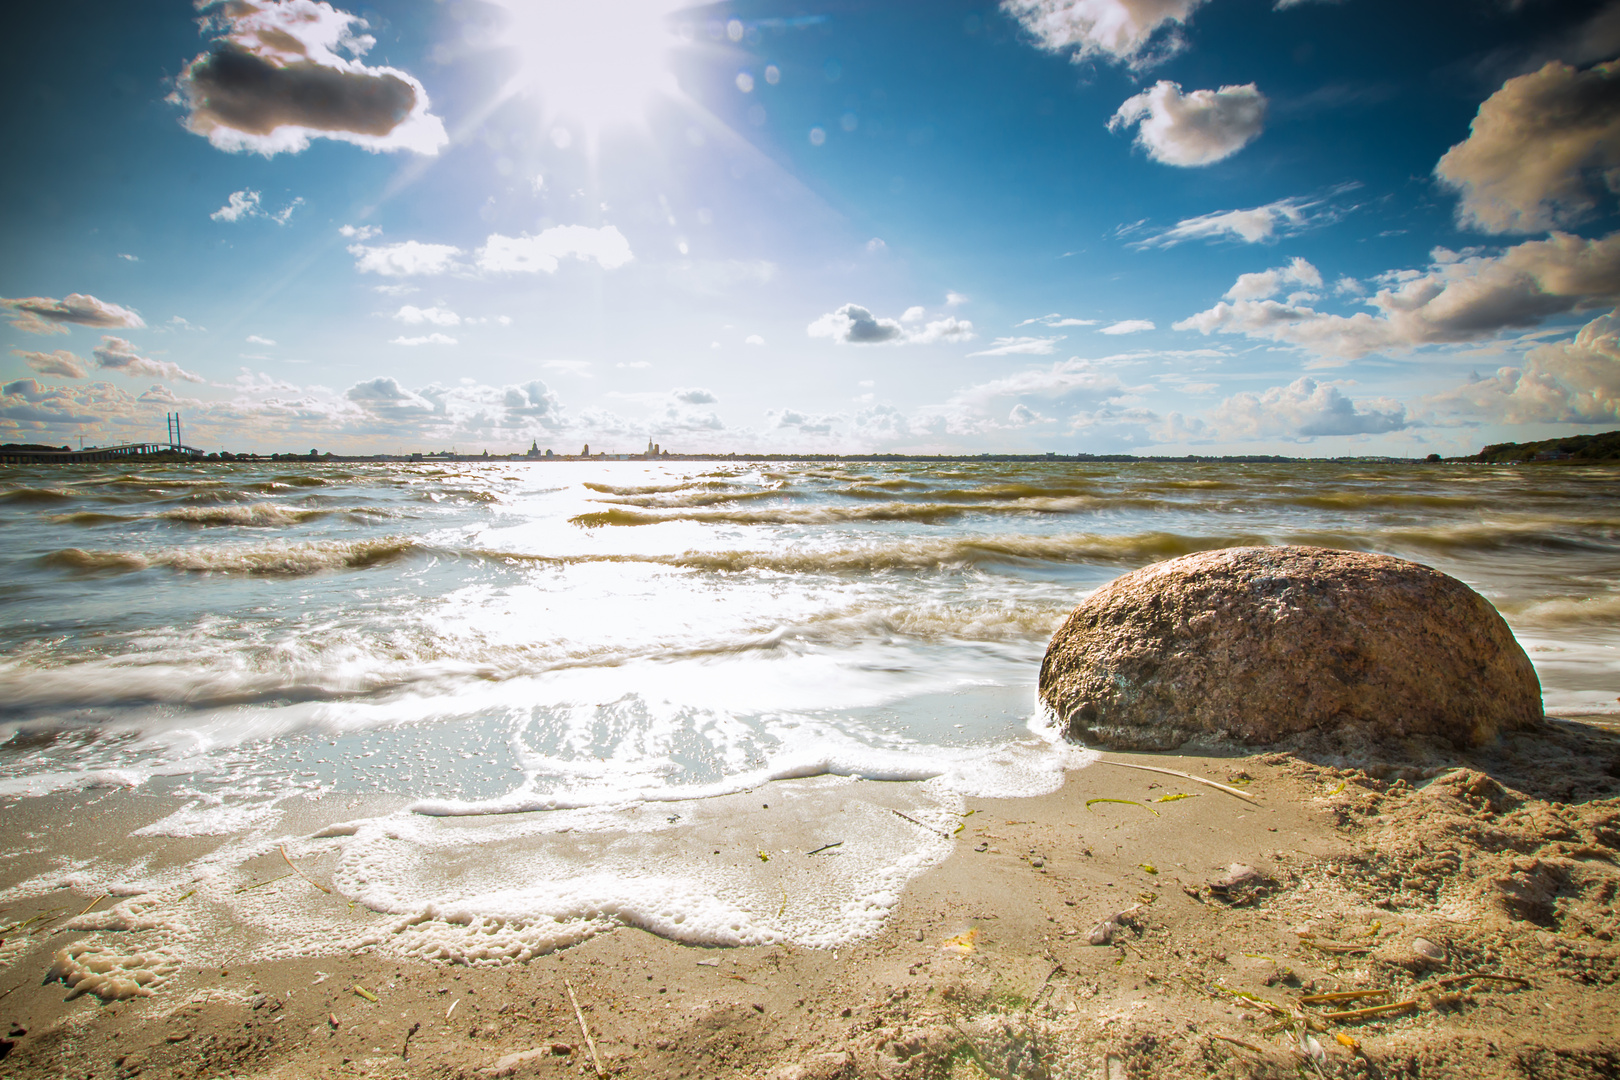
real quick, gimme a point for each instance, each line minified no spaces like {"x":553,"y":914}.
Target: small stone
{"x":561,"y":1049}
{"x":1037,"y":863}
{"x":920,"y":935}
{"x":1428,"y":950}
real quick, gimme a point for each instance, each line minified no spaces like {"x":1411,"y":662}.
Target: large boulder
{"x":1262,"y":643}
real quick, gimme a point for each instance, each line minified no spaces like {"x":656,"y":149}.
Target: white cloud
{"x":914,"y":313}
{"x":43,"y":315}
{"x":241,"y":204}
{"x":1020,"y":346}
{"x":1304,"y":409}
{"x":1539,"y":151}
{"x":430,"y":339}
{"x":1257,"y":225}
{"x":358,"y":232}
{"x":1127,"y":326}
{"x":1199,"y":128}
{"x":117,"y":354}
{"x":570,"y":367}
{"x":57,"y":362}
{"x":438,"y":316}
{"x":129,"y":258}
{"x":1123,"y":30}
{"x":805,"y":423}
{"x":280,"y":216}
{"x":753,"y":339}
{"x":1055,"y":319}
{"x":1566,"y":382}
{"x":530,"y":254}
{"x":257,"y":340}
{"x":1266,"y":283}
{"x":954,"y":299}
{"x":272,"y":80}
{"x":876,"y":245}
{"x":694,"y":396}
{"x":855,"y":325}
{"x":405,"y":259}
{"x":1458,"y":298}
{"x":1068,"y":381}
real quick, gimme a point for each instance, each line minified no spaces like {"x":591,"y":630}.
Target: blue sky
{"x":1149,"y":226}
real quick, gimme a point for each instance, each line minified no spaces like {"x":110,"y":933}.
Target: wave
{"x":1565,"y":611}
{"x":291,"y":559}
{"x":37,"y":496}
{"x":889,"y":511}
{"x":86,"y":517}
{"x":252,"y":514}
{"x":643,"y":489}
{"x":680,"y":500}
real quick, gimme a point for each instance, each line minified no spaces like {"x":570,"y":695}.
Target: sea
{"x":501,"y":706}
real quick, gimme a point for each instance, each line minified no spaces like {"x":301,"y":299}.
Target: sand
{"x":1503,"y":861}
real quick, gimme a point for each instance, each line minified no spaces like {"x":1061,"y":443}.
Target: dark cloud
{"x":274,"y":78}
{"x":43,"y":315}
{"x":229,"y":86}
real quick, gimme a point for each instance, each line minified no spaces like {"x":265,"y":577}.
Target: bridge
{"x":13,"y":454}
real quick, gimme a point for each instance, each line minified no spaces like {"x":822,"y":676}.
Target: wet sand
{"x":1504,"y":861}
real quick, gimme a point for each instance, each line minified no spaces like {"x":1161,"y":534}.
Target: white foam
{"x":112,"y":974}
{"x":202,"y":819}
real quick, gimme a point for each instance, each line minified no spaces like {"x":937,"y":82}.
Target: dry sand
{"x":1504,"y":861}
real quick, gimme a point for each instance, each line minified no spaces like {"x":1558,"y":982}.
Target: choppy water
{"x":492,"y":637}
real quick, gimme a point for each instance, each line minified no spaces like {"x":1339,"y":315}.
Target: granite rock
{"x":1260,"y":644}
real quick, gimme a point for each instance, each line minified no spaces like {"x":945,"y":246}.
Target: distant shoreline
{"x":1571,"y":450}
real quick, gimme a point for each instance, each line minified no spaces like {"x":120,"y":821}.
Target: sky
{"x":1298,"y":227}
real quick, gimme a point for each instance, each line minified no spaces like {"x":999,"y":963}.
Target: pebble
{"x":1428,"y":950}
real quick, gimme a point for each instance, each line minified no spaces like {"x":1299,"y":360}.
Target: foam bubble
{"x":112,"y":974}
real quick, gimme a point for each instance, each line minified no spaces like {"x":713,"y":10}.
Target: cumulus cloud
{"x":855,"y":325}
{"x":241,"y":204}
{"x":753,"y":339}
{"x":57,"y":362}
{"x":1256,"y":225}
{"x":1457,"y":298}
{"x":1304,"y":409}
{"x":436,"y":315}
{"x":406,"y":259}
{"x":1020,"y":346}
{"x":1574,"y":382}
{"x":273,"y":79}
{"x":694,"y":396}
{"x":1068,"y":381}
{"x":1138,"y":32}
{"x":1266,"y":283}
{"x":805,"y":423}
{"x":430,"y":339}
{"x":1539,"y":150}
{"x":117,"y":354}
{"x":1127,"y":326}
{"x":531,"y":254}
{"x":358,"y":232}
{"x":43,"y":315}
{"x":1199,"y":128}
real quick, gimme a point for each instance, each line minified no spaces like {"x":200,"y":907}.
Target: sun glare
{"x":593,"y":64}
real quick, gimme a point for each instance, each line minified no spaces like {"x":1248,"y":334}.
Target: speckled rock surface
{"x":1258,"y":644}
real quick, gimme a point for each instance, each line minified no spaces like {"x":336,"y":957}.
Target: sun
{"x":593,"y":64}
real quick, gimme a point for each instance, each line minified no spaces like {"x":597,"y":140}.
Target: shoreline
{"x":983,"y":967}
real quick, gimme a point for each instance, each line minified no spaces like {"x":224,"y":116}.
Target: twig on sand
{"x":826,"y":847}
{"x":1408,"y":1005}
{"x":405,"y":1050}
{"x":1239,"y":1042}
{"x":1127,"y":802}
{"x":1185,"y":776}
{"x":1343,"y":995}
{"x":1453,"y":980}
{"x":86,"y":909}
{"x":917,"y":823}
{"x":283,"y":849}
{"x":585,"y":1030}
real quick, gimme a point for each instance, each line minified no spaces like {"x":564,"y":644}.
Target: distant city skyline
{"x":1216,"y":227}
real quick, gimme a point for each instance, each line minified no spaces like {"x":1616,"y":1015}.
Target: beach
{"x":985,"y":966}
{"x":364,"y":769}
